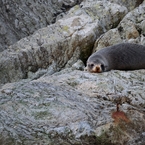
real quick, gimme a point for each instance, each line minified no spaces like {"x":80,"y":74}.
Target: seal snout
{"x":97,"y":68}
{"x":94,"y":68}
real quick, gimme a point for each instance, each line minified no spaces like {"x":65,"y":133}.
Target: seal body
{"x":123,"y":56}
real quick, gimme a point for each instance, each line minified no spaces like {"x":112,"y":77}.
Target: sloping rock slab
{"x":74,"y":107}
{"x":19,"y":19}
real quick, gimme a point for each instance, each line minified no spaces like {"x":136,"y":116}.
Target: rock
{"x":79,"y":65}
{"x":142,"y":40}
{"x":129,"y":5}
{"x":62,"y":43}
{"x":129,"y":30}
{"x":73,"y":107}
{"x":19,"y":18}
{"x":132,"y":33}
{"x":111,"y":37}
{"x":50,"y":101}
{"x":131,"y":25}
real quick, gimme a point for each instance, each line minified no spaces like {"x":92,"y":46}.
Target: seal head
{"x":96,"y":64}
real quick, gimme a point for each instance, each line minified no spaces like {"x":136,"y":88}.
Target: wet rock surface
{"x":47,"y":99}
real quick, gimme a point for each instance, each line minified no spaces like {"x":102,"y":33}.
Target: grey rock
{"x":130,"y":29}
{"x":143,"y":26}
{"x":62,"y":43}
{"x":79,"y":65}
{"x":71,"y":107}
{"x":132,"y":24}
{"x":109,"y":38}
{"x":19,"y":18}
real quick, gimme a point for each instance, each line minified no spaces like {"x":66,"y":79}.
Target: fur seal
{"x":123,"y":56}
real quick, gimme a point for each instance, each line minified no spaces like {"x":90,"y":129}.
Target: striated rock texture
{"x":20,"y":18}
{"x":130,"y":29}
{"x":74,"y":107}
{"x":46,"y":98}
{"x":60,"y":44}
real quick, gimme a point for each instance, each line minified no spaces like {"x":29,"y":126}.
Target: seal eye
{"x":92,"y":65}
{"x":102,"y":67}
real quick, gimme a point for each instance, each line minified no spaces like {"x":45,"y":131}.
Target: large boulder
{"x":130,"y":29}
{"x":74,"y":107}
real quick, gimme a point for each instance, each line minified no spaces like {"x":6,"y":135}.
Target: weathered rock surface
{"x":20,"y":18}
{"x":60,"y":44}
{"x":130,"y":29}
{"x":50,"y":105}
{"x":73,"y":107}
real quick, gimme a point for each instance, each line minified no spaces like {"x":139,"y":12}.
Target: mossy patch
{"x":118,"y":133}
{"x":103,"y":139}
{"x":66,"y":28}
{"x":41,"y":114}
{"x":76,"y":7}
{"x":73,"y":84}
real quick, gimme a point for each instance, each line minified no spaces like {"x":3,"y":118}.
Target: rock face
{"x":20,"y":18}
{"x":62,"y":43}
{"x":46,"y":98}
{"x":74,"y":107}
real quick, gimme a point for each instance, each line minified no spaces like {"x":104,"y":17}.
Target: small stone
{"x":7,"y":91}
{"x":132,"y":33}
{"x":79,"y":65}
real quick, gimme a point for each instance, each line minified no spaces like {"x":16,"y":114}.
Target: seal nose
{"x":93,"y":68}
{"x":97,"y":69}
